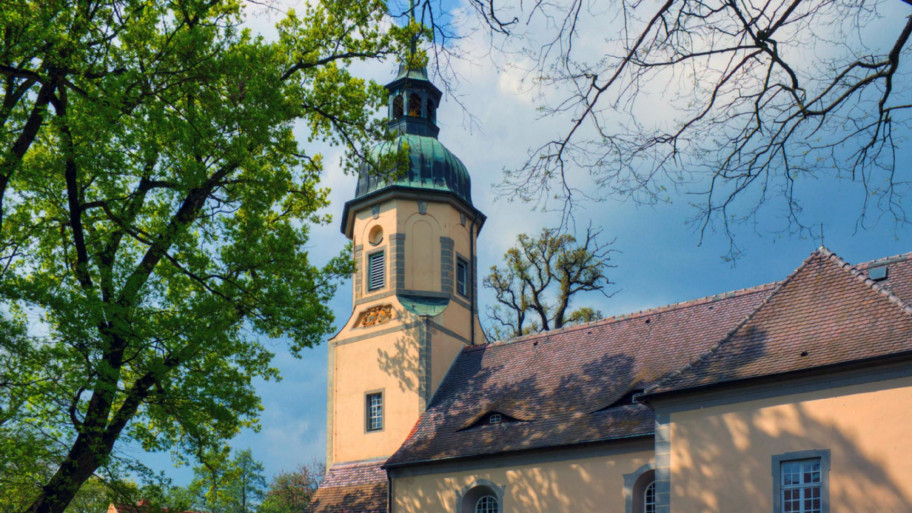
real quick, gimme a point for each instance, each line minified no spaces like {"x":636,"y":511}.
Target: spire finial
{"x":414,"y":36}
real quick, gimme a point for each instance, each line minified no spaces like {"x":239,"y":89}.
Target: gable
{"x":826,"y":313}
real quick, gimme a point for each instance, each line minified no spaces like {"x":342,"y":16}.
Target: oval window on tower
{"x":375,"y":236}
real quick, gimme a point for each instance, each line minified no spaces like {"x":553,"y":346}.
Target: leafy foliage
{"x":228,"y":485}
{"x":541,"y":276}
{"x":154,"y":214}
{"x":291,"y":492}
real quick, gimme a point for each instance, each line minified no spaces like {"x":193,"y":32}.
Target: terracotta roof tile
{"x":563,"y":385}
{"x":899,"y":274}
{"x":352,"y":488}
{"x":825,"y":313}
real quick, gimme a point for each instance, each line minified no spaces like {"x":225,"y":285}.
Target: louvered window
{"x":375,"y":271}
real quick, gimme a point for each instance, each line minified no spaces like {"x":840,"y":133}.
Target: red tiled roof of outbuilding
{"x":352,"y":488}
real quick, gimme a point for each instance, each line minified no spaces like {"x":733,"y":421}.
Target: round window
{"x":375,"y":236}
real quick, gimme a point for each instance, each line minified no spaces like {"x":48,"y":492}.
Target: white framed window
{"x":375,"y":271}
{"x":374,"y":406}
{"x":487,"y":504}
{"x":649,"y":498}
{"x":801,"y":482}
{"x":462,"y":277}
{"x":801,"y":486}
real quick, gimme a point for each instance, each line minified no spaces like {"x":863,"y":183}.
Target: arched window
{"x":482,"y":496}
{"x":397,"y":107}
{"x":487,"y":504}
{"x":649,"y":498}
{"x":640,"y":491}
{"x":430,"y":109}
{"x":414,"y":105}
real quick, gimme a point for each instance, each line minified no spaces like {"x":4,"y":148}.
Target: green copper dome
{"x":431,"y":166}
{"x":412,"y":106}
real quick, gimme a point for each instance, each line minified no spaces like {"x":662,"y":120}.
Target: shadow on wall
{"x":736,"y":449}
{"x":402,"y":361}
{"x":558,"y":396}
{"x":722,"y":457}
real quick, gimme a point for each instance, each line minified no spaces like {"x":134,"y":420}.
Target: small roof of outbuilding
{"x":354,"y":487}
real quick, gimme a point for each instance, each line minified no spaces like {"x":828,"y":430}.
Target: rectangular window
{"x":462,"y":277}
{"x":801,"y":486}
{"x":375,"y":411}
{"x":801,"y":482}
{"x":375,"y":264}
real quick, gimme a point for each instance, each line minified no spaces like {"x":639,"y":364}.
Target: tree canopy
{"x":154,"y":214}
{"x":291,"y":492}
{"x":539,"y":278}
{"x":745,"y":107}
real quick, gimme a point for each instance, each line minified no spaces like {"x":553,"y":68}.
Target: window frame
{"x":492,"y":497}
{"x":466,"y":290}
{"x":819,"y":454}
{"x":367,"y":411}
{"x":381,"y":254}
{"x":635,"y":484}
{"x":646,"y":493}
{"x":467,"y":498}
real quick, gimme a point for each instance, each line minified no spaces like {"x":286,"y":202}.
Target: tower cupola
{"x":432,"y":168}
{"x":413,"y":102}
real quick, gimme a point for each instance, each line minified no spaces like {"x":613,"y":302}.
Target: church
{"x":788,"y":397}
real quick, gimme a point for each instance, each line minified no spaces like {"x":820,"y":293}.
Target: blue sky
{"x":660,"y":259}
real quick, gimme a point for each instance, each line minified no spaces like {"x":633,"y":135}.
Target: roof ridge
{"x":884,"y":261}
{"x":352,"y":464}
{"x":871,"y":284}
{"x":633,"y":315}
{"x":821,"y":251}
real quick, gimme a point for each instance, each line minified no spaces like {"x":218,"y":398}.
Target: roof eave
{"x":450,"y":459}
{"x":404,"y":192}
{"x":647,"y":397}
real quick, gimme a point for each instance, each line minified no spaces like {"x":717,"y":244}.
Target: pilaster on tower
{"x":414,"y":288}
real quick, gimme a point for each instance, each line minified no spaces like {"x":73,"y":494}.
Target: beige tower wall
{"x":587,"y":482}
{"x":385,"y":362}
{"x":403,"y":355}
{"x":721,"y":456}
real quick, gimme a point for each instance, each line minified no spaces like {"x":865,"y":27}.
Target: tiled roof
{"x":143,"y":506}
{"x":825,"y":313}
{"x":352,"y":488}
{"x":563,"y":387}
{"x":899,"y":274}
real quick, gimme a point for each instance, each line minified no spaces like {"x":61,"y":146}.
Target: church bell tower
{"x":414,"y":288}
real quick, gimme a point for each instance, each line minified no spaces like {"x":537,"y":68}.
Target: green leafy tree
{"x":539,"y":278}
{"x":229,"y":485}
{"x":291,"y":492}
{"x":154,"y":219}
